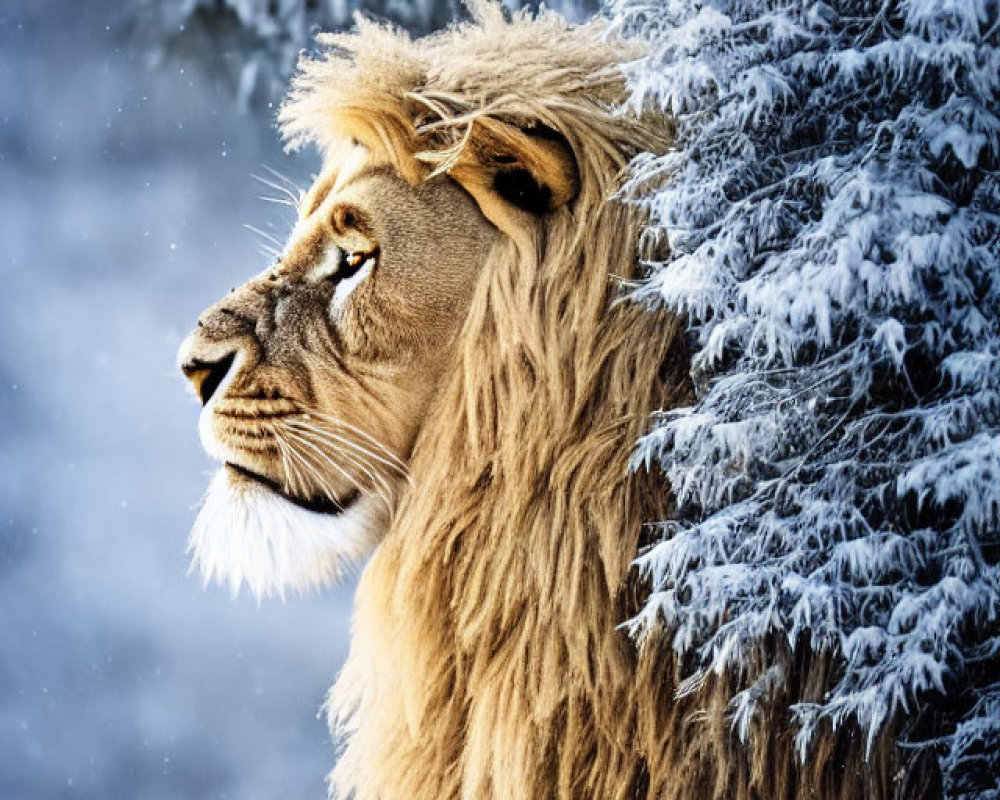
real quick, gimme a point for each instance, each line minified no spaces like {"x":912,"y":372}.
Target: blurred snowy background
{"x":129,"y":135}
{"x":126,"y":156}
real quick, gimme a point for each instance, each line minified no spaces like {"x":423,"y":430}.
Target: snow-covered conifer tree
{"x":833,"y":215}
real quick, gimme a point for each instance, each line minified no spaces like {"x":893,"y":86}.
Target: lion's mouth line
{"x":319,"y":505}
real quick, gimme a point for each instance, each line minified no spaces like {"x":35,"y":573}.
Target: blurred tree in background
{"x":254,"y":44}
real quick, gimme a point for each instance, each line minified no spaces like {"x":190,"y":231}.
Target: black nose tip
{"x":207,"y":375}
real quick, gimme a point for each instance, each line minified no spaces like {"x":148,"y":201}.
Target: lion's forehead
{"x":342,"y":166}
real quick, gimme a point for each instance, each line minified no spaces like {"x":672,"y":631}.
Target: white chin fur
{"x":245,"y":533}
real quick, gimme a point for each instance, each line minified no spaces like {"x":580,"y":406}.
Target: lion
{"x":443,"y":370}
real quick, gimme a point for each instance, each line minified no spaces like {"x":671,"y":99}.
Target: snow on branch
{"x":832,"y":213}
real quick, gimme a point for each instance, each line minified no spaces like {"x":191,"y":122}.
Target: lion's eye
{"x":352,"y":270}
{"x":350,"y":263}
{"x":341,"y":265}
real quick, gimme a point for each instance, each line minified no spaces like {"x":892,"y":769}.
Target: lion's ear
{"x":512,"y":171}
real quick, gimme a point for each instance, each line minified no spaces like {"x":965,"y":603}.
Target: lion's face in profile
{"x":315,"y":375}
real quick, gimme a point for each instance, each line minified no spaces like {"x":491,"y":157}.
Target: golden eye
{"x":351,"y":264}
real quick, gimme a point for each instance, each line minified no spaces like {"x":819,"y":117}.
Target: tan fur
{"x":306,"y":381}
{"x":486,"y":657}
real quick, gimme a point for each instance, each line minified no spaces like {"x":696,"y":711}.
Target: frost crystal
{"x":832,"y":211}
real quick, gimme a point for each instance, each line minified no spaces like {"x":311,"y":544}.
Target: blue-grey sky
{"x":123,"y":191}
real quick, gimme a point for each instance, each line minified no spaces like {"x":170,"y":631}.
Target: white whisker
{"x":403,"y":466}
{"x":380,"y":484}
{"x":299,"y":440}
{"x":322,"y":436}
{"x":284,"y":179}
{"x":384,"y":455}
{"x":281,"y":201}
{"x":264,"y":235}
{"x":294,"y":479}
{"x":294,"y":195}
{"x":309,"y":475}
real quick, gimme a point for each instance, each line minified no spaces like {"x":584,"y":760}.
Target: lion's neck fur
{"x":486,"y":660}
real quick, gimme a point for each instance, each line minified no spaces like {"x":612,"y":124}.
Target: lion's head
{"x":316,"y":376}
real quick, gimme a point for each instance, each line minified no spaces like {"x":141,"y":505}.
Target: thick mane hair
{"x":467,"y":100}
{"x":487,"y":655}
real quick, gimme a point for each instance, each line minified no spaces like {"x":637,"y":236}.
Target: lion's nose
{"x":207,"y":376}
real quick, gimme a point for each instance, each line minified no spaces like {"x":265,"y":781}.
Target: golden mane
{"x":486,"y":657}
{"x":463,"y":100}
